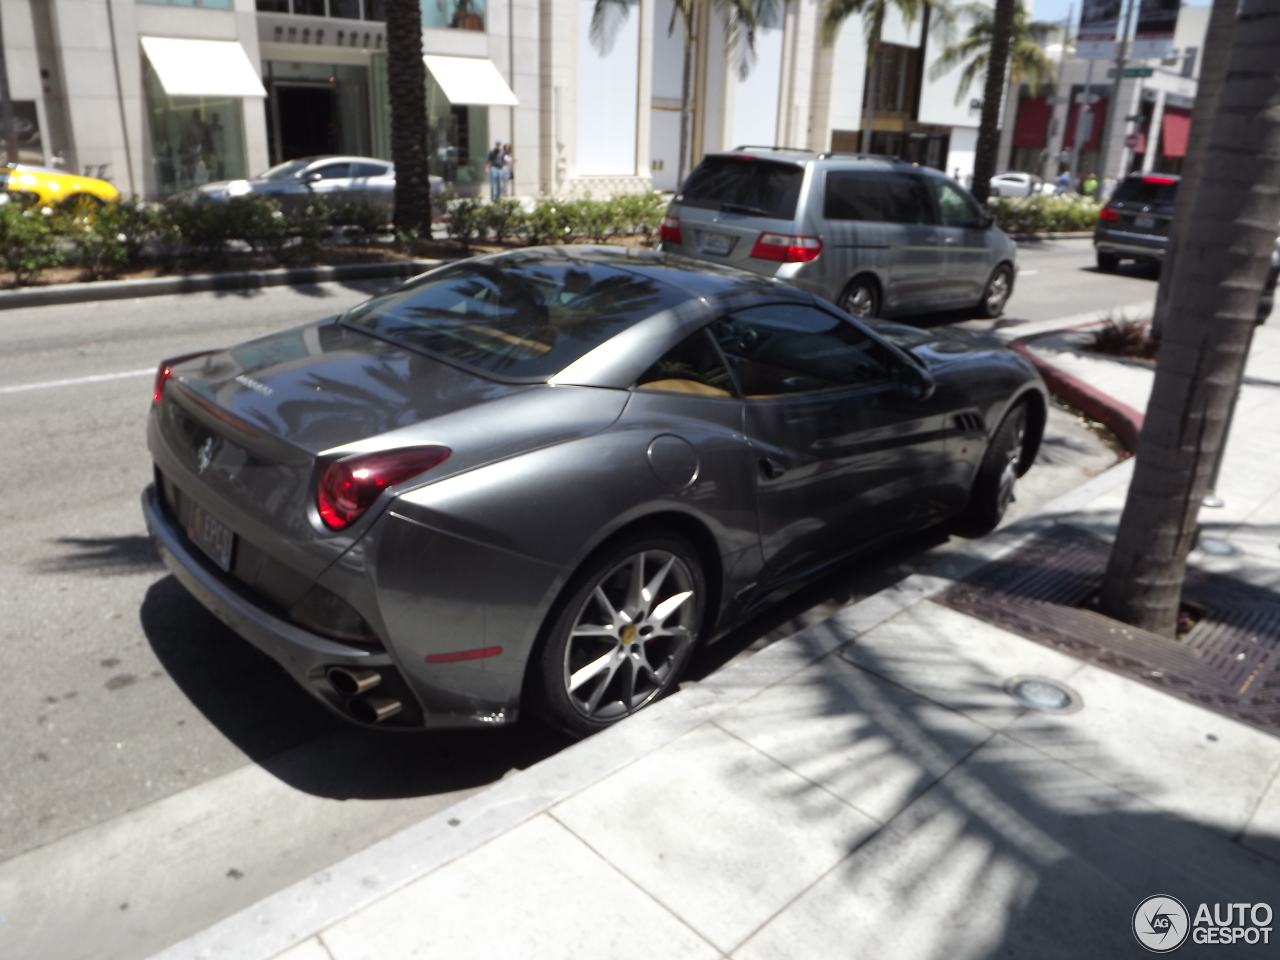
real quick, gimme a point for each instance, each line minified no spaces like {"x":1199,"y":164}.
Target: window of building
{"x":457,"y":137}
{"x":341,"y":9}
{"x":458,"y":14}
{"x":208,"y":4}
{"x":789,"y":348}
{"x":897,"y":79}
{"x":878,"y":196}
{"x":692,"y":366}
{"x":317,"y":108}
{"x":196,"y":139}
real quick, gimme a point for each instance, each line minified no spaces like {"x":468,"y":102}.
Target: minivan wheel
{"x":996,"y":295}
{"x":1108,"y":262}
{"x":861,"y":298}
{"x":623,"y":637}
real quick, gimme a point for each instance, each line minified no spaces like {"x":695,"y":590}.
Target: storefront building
{"x":164,"y":95}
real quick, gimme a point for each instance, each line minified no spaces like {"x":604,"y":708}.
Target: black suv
{"x":1134,"y":225}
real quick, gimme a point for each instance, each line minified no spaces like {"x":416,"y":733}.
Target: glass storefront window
{"x":458,"y":14}
{"x":457,"y":138}
{"x":195,"y":139}
{"x":211,"y":4}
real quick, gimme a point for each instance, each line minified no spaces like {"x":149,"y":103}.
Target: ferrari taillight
{"x":165,"y":373}
{"x":348,"y":487}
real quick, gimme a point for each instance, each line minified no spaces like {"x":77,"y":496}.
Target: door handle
{"x":950,"y":241}
{"x":772,"y":469}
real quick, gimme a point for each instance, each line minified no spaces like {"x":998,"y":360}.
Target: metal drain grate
{"x":1228,"y":662}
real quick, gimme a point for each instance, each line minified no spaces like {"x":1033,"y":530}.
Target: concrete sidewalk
{"x":864,"y":788}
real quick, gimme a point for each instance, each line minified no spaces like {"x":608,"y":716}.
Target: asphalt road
{"x":159,"y":773}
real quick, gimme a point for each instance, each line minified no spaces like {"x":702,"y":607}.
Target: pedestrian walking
{"x":508,"y":169}
{"x":493,"y":166}
{"x":1090,"y":184}
{"x":1063,"y":183}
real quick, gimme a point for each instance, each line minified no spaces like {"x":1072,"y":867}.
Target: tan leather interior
{"x":684,"y":386}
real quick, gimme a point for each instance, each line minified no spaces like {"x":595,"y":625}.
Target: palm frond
{"x":837,"y":12}
{"x":739,"y":31}
{"x":607,"y":19}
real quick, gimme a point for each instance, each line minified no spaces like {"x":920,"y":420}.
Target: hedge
{"x":1044,"y":213}
{"x":551,"y":220}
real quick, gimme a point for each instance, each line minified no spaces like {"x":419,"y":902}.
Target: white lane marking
{"x":1027,"y":273}
{"x":76,"y":381}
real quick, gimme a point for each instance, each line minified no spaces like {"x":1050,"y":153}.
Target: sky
{"x":1056,"y":10}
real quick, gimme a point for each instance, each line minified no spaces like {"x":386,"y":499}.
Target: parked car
{"x":1134,"y":225}
{"x":540,"y":479}
{"x":875,"y":235}
{"x":1016,"y":185}
{"x":295,"y":183}
{"x":50,"y":186}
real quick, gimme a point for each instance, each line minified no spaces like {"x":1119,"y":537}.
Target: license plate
{"x":1144,"y":221}
{"x":716,"y":244}
{"x":212,"y":536}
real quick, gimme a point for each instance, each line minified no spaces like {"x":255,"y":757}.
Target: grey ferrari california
{"x":538,"y":480}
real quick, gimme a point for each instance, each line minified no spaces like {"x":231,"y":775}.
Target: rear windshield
{"x":744,"y":185}
{"x":520,"y":316}
{"x":1150,"y":190}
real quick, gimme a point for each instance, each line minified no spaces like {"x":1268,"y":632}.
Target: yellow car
{"x":51,"y":187}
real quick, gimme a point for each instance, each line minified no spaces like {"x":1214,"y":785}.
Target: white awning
{"x":470,"y":80}
{"x":202,"y":68}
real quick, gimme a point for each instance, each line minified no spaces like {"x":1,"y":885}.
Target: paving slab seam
{"x":310,"y":906}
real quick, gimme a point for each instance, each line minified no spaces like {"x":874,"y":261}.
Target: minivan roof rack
{"x":758,"y":146}
{"x":860,"y":156}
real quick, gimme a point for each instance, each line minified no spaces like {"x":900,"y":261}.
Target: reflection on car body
{"x":537,"y":480}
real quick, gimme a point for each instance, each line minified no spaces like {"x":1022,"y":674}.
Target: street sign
{"x":1131,"y":72}
{"x":1133,"y":140}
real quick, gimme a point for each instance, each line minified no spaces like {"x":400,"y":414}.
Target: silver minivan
{"x":875,"y":235}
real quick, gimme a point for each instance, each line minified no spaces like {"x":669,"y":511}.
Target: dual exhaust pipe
{"x":354,"y":683}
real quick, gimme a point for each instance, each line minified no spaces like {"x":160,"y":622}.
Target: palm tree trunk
{"x":873,"y":50}
{"x":686,"y":95}
{"x":407,"y":93}
{"x":1213,"y":303}
{"x":1213,"y":67}
{"x":984,"y":161}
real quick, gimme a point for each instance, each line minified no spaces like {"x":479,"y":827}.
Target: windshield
{"x":283,"y":171}
{"x":522,"y":316}
{"x":744,"y":185}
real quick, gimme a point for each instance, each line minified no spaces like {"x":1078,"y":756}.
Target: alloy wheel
{"x":997,"y":292}
{"x":630,"y":635}
{"x":1009,"y":474}
{"x":860,"y":302}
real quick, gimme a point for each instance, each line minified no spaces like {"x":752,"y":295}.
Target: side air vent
{"x":970,"y":423}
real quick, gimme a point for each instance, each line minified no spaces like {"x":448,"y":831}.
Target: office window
{"x":458,"y":14}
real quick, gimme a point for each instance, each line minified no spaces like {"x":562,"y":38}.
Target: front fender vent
{"x":970,"y":423}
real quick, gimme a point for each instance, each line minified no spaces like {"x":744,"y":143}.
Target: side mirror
{"x":312,"y":177}
{"x":910,"y":381}
{"x":988,"y":220}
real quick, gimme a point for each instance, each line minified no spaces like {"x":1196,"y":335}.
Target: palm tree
{"x":1212,"y":310}
{"x":740,"y":17}
{"x":1005,"y":37}
{"x":1027,"y":58}
{"x":407,"y":93}
{"x":873,"y":13}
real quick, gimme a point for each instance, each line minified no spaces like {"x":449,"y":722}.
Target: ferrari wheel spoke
{"x":592,"y":669}
{"x":669,"y":606}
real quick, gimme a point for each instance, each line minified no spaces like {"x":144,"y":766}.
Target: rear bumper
{"x":1122,"y":243}
{"x":304,"y":655}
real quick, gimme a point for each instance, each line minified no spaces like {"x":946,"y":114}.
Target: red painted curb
{"x":1120,"y":418}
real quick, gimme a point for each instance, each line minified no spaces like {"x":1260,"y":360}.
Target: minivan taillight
{"x":165,"y":373}
{"x":1109,"y":215}
{"x":348,"y":487}
{"x":777,"y":246}
{"x":669,"y":232}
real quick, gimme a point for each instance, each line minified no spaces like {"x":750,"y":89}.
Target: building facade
{"x":162,"y":95}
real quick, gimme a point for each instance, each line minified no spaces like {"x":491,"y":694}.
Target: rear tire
{"x":861,"y":298}
{"x":1108,"y":262}
{"x":993,"y":485}
{"x":624,"y":635}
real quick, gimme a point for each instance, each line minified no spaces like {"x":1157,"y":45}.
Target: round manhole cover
{"x":1041,"y":693}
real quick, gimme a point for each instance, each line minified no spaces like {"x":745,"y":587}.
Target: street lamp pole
{"x":1122,"y":44}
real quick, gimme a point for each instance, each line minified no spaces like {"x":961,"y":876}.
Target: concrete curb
{"x":287,"y":918}
{"x":202,"y":282}
{"x":1120,"y":418}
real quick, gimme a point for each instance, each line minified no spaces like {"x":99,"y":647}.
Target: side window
{"x":957,"y":210}
{"x":691,"y":366}
{"x":790,"y":348}
{"x":335,"y":171}
{"x":876,"y":195}
{"x":367,"y":170}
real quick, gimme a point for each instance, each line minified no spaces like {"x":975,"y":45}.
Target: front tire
{"x":993,"y":486}
{"x":622,"y":639}
{"x":1108,"y":262}
{"x":996,"y":294}
{"x":861,"y":298}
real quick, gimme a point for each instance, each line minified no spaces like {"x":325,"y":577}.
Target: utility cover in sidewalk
{"x":1228,"y":662}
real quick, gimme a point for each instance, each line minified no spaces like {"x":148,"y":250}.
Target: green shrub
{"x":1044,"y":213}
{"x":641,"y":213}
{"x":306,"y":230}
{"x":466,"y":219}
{"x":96,"y":235}
{"x":202,"y":227}
{"x":361,"y":217}
{"x":548,"y":222}
{"x":28,"y":241}
{"x":502,"y":218}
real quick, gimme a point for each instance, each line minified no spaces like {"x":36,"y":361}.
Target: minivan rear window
{"x":744,"y":185}
{"x":1151,"y":190}
{"x":877,"y":195}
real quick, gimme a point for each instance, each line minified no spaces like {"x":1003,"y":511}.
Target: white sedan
{"x":1016,"y":185}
